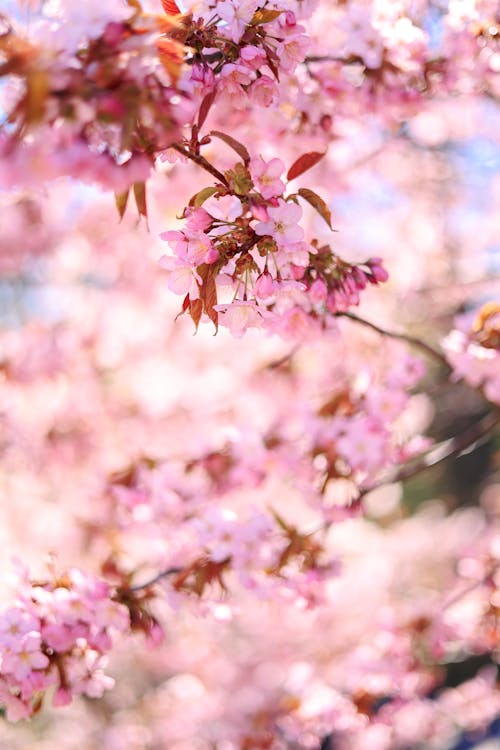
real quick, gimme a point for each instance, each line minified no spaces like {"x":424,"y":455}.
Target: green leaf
{"x":303,"y":163}
{"x":240,"y":149}
{"x":199,"y":199}
{"x":121,"y":200}
{"x":239,"y":179}
{"x":318,"y":203}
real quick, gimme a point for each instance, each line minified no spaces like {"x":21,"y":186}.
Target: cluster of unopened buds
{"x":247,"y":245}
{"x":56,"y":636}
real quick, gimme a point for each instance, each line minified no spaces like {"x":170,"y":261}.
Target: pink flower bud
{"x":264,"y":286}
{"x":211,"y":255}
{"x":197,"y":219}
{"x":359,"y":277}
{"x":296,"y":272}
{"x":62,"y":697}
{"x":318,"y":292}
{"x":260,"y":212}
{"x":113,"y":33}
{"x":378,"y":271}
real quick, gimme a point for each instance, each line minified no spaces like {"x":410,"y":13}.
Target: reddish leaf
{"x":170,"y":7}
{"x":37,"y":89}
{"x":205,"y":107}
{"x":185,"y":306}
{"x":208,"y":292}
{"x":171,"y":55}
{"x":211,"y":298}
{"x":271,"y":58}
{"x":195,"y":310}
{"x":303,"y":163}
{"x":234,"y":144}
{"x":140,"y":198}
{"x":318,"y":203}
{"x":121,"y":200}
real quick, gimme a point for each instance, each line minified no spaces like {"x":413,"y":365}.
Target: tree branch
{"x":452,"y":447}
{"x":157,"y":577}
{"x":412,"y":340}
{"x":201,"y":162}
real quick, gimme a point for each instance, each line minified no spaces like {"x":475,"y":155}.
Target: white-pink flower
{"x":239,"y":316}
{"x":264,"y":91}
{"x":182,"y":277}
{"x":236,"y":15}
{"x":25,"y":657}
{"x":283,"y":223}
{"x":266,"y":175}
{"x":14,"y":623}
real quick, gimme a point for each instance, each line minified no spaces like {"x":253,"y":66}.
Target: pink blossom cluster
{"x":127,"y":84}
{"x":55,"y":635}
{"x":389,"y":58}
{"x":251,"y":76}
{"x":473,"y":350}
{"x":248,"y":241}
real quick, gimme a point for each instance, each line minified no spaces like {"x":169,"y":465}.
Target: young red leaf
{"x":303,"y":163}
{"x":233,"y":143}
{"x":272,"y":62}
{"x":171,"y":55}
{"x":210,"y":298}
{"x":140,"y":198}
{"x":208,"y":292}
{"x":121,"y":200}
{"x":205,"y":106}
{"x":195,"y":310}
{"x":318,"y":203}
{"x":170,"y":7}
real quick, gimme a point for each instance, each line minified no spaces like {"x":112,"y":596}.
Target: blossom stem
{"x":201,"y":162}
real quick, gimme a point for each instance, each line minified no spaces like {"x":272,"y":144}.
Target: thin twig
{"x":452,"y":447}
{"x":157,"y":577}
{"x":412,"y":340}
{"x":201,"y":162}
{"x":471,"y":587}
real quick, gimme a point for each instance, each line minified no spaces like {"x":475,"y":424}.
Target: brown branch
{"x":412,"y":340}
{"x":157,"y":577}
{"x":448,"y":448}
{"x":471,"y":587}
{"x":201,"y":162}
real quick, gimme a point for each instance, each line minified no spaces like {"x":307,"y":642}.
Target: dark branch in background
{"x":452,"y":447}
{"x":412,"y":340}
{"x":201,"y":162}
{"x":157,"y":577}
